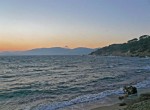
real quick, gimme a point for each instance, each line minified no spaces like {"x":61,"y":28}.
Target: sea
{"x":58,"y":82}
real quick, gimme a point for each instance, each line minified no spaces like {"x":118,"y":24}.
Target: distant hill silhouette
{"x":135,"y":47}
{"x":52,"y":51}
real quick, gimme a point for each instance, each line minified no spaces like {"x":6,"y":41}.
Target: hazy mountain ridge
{"x":135,"y":47}
{"x":51,"y":51}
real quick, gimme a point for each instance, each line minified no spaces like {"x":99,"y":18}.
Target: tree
{"x":133,"y":40}
{"x":144,"y":37}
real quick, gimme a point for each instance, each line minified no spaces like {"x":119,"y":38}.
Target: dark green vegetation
{"x":135,"y":47}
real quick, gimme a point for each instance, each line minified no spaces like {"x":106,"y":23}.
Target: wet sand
{"x":111,"y":107}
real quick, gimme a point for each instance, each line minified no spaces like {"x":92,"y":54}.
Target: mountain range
{"x":51,"y":51}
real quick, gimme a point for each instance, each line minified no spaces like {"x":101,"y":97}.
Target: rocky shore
{"x":140,"y":101}
{"x":144,"y":105}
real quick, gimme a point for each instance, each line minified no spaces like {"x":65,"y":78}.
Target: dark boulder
{"x":130,"y":90}
{"x":122,"y":104}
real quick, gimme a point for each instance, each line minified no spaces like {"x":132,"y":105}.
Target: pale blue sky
{"x":88,"y":23}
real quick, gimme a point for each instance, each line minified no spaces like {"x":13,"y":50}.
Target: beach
{"x":111,"y":107}
{"x":132,"y":103}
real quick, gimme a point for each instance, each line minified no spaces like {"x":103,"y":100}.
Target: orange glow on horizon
{"x":24,"y":46}
{"x":21,"y":42}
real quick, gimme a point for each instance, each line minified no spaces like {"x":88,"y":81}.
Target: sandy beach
{"x":111,"y":107}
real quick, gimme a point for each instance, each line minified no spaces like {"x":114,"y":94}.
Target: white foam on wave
{"x":81,"y":99}
{"x":90,"y":97}
{"x":143,"y":84}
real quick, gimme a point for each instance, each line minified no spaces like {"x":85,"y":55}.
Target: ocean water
{"x":55,"y":82}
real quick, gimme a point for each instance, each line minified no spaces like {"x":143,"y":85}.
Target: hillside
{"x":135,"y":47}
{"x":52,"y":51}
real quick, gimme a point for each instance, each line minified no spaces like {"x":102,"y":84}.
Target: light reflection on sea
{"x":29,"y":82}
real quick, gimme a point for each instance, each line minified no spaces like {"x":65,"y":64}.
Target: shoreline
{"x":111,"y":107}
{"x":130,"y":101}
{"x":111,"y":101}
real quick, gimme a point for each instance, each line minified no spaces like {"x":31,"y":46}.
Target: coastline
{"x":132,"y":102}
{"x":108,"y":103}
{"x":111,"y":107}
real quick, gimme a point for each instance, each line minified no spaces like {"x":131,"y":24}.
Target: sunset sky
{"x":27,"y":24}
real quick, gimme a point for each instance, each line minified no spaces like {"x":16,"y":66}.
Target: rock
{"x":123,"y":97}
{"x":130,"y":90}
{"x":122,"y":104}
